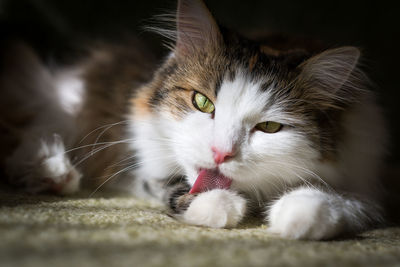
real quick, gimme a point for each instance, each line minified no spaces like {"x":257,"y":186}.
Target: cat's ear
{"x":196,"y":28}
{"x":332,"y":74}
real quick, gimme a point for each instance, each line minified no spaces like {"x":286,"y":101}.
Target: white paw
{"x":59,"y":175}
{"x":306,"y":214}
{"x":55,"y":168}
{"x":217,"y":208}
{"x":45,"y":167}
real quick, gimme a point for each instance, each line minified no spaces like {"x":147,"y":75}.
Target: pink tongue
{"x":210,"y":179}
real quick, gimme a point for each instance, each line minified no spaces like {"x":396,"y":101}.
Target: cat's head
{"x":258,"y":116}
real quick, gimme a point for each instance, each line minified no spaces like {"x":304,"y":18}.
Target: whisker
{"x":276,"y":188}
{"x":133,"y":166}
{"x":305,"y":170}
{"x":101,"y":143}
{"x":109,"y":178}
{"x":91,"y":153}
{"x":101,"y":127}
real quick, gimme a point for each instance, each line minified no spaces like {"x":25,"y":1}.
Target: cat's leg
{"x":41,"y":165}
{"x":218,"y":208}
{"x":308,"y":213}
{"x":46,"y":102}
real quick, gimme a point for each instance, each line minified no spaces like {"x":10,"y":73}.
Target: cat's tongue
{"x":210,"y":179}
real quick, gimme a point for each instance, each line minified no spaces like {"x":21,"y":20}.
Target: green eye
{"x":269,"y":126}
{"x":202,"y":103}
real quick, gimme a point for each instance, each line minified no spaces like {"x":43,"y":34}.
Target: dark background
{"x":54,"y":27}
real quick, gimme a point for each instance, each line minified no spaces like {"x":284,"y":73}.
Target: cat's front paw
{"x":305,"y":214}
{"x":217,"y":208}
{"x":58,"y":175}
{"x":47,"y":169}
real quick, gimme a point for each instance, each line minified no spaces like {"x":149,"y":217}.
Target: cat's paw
{"x":44,"y":169}
{"x":56,"y":174}
{"x":217,"y":208}
{"x":305,"y":214}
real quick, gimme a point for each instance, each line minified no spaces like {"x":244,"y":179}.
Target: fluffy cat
{"x":223,"y":127}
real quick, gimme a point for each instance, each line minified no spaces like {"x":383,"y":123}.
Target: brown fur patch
{"x":111,"y":79}
{"x":253,"y":61}
{"x":173,"y":86}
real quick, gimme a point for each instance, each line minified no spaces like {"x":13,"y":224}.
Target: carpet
{"x":118,"y":230}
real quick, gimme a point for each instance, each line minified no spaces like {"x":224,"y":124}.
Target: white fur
{"x":56,"y":166}
{"x":307,"y":214}
{"x":154,"y":149}
{"x":70,"y":89}
{"x":216,"y":208}
{"x":153,"y":152}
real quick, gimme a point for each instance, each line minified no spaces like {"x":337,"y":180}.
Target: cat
{"x":223,"y":128}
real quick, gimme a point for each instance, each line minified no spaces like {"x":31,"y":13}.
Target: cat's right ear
{"x":196,"y":28}
{"x":332,"y":76}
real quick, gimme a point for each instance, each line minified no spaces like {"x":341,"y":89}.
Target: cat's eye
{"x":269,"y":126}
{"x":202,"y":103}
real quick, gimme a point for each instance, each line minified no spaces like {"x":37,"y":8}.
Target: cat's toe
{"x":217,"y":208}
{"x":59,"y":175}
{"x":304,"y":215}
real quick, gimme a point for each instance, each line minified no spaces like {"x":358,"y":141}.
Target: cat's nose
{"x":221,"y":156}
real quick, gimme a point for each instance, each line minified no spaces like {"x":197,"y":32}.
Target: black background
{"x":52,"y":27}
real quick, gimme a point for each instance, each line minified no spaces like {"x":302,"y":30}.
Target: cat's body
{"x":238,"y":124}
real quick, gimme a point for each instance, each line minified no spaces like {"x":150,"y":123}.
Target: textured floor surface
{"x":121,"y":231}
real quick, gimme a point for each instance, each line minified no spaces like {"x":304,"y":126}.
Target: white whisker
{"x":101,"y":127}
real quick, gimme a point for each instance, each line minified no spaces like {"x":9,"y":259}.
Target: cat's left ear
{"x":331,"y":75}
{"x":196,"y":28}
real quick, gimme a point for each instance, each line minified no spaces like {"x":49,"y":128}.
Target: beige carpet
{"x":121,"y":231}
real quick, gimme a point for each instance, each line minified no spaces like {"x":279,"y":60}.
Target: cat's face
{"x":228,"y":107}
{"x":211,"y":110}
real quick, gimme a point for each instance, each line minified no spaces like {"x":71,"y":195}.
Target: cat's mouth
{"x":209,"y":179}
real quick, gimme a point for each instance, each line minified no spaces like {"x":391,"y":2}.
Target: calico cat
{"x":223,"y":127}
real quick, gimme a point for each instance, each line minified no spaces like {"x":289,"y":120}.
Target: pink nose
{"x":220,"y":156}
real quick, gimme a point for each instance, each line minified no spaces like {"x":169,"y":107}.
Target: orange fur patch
{"x":140,"y":104}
